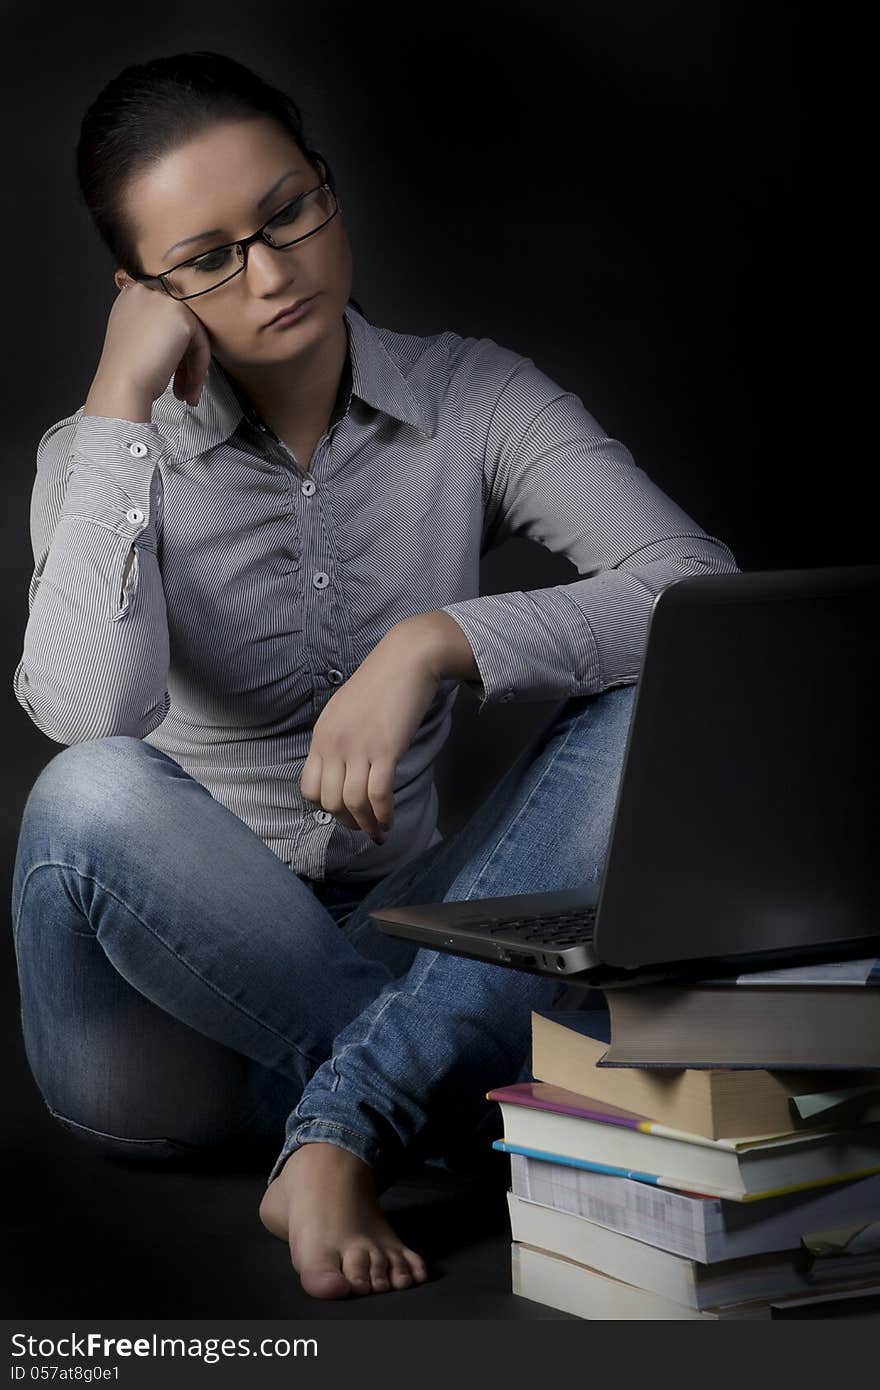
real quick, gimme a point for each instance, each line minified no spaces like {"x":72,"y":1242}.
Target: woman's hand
{"x":149,"y":335}
{"x":365,"y":728}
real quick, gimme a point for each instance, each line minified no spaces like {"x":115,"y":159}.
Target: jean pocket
{"x":123,"y":1146}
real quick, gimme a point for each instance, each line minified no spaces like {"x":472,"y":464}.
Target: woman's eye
{"x":288,"y":214}
{"x":215,"y":260}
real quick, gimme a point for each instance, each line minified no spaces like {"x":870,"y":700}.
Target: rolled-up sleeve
{"x":96,"y":650}
{"x":553,"y":475}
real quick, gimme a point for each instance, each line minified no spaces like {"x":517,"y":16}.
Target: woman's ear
{"x":123,"y":279}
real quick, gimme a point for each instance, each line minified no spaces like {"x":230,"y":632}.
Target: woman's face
{"x":216,"y":181}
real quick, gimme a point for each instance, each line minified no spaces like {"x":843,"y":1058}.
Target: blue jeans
{"x":182,"y":989}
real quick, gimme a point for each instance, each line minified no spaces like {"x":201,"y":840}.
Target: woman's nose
{"x":267,"y":268}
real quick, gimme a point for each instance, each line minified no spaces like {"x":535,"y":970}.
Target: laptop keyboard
{"x":552,"y":929}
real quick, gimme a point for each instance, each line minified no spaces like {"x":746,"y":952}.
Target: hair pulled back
{"x":149,"y":110}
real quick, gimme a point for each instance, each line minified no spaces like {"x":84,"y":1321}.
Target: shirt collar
{"x":376,"y":378}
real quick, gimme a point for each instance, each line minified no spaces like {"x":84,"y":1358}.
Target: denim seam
{"x":367,"y":1145}
{"x":502,"y":839}
{"x":105,"y":1134}
{"x":56,"y":863}
{"x":392,"y":994}
{"x":367,"y":1150}
{"x":334,"y":1124}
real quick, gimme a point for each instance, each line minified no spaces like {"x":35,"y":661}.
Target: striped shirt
{"x":259,"y":585}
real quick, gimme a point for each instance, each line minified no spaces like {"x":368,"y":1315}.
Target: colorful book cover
{"x":654,"y":1179}
{"x":659,"y":1180}
{"x":541,"y":1095}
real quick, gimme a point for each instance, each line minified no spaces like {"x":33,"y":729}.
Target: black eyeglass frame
{"x":245,"y":243}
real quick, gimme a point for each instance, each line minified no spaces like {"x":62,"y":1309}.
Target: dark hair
{"x":152,"y":108}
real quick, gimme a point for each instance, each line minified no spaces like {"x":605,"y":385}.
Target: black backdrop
{"x":657,"y":203}
{"x":629,"y":193}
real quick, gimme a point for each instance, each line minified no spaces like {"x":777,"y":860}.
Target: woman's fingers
{"x":344,"y":791}
{"x":343,"y":794}
{"x":310,"y":781}
{"x":380,"y":789}
{"x":332,"y":782}
{"x":358,"y":793}
{"x":199,"y":365}
{"x":194,"y":367}
{"x":179,"y":385}
{"x":356,"y":798}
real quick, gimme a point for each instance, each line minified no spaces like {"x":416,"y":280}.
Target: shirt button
{"x":322,"y":817}
{"x":134,"y":515}
{"x":335,"y":677}
{"x":320,"y":580}
{"x":307,"y":488}
{"x":137,"y":449}
{"x":508,"y":695}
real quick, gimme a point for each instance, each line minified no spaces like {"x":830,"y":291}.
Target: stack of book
{"x":706,"y":1150}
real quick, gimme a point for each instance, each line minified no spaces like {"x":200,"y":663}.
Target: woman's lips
{"x":294,"y":315}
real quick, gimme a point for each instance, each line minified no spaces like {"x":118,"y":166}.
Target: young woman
{"x":256,"y":592}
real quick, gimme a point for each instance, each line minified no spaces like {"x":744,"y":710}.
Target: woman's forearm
{"x":436,"y":639}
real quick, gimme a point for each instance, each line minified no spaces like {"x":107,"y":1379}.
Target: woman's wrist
{"x":118,"y":400}
{"x":437,"y":643}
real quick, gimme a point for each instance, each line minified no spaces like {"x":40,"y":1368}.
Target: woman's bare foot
{"x":324,"y":1204}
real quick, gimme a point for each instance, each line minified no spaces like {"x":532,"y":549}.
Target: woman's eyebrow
{"x":218,"y":231}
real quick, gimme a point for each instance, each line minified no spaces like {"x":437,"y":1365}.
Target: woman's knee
{"x":99,"y":788}
{"x":88,"y":777}
{"x":76,"y":794}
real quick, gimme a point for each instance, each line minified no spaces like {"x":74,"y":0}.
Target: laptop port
{"x":526,"y":960}
{"x":560,"y":962}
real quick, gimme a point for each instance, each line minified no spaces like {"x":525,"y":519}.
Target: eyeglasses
{"x":305,"y":214}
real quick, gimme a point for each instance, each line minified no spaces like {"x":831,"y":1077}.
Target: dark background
{"x":633,"y":195}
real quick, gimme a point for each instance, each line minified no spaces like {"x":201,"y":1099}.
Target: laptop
{"x":746,"y":832}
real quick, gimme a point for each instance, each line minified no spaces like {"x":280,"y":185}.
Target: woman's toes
{"x":324,"y":1279}
{"x":399,"y":1271}
{"x":416,"y":1264}
{"x":356,"y":1268}
{"x":379,"y":1271}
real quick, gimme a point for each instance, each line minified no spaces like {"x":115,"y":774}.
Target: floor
{"x":85,"y":1235}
